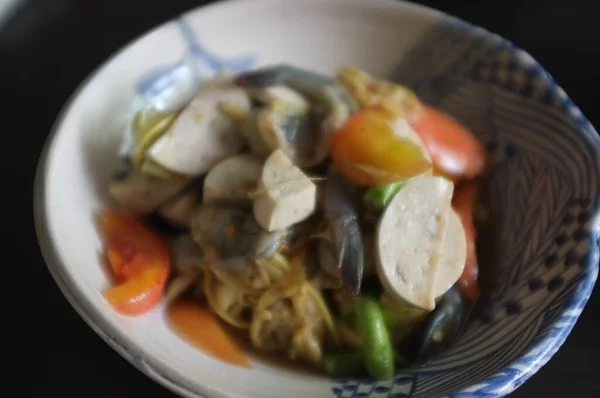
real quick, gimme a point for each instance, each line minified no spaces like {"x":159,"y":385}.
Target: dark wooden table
{"x":49,"y":46}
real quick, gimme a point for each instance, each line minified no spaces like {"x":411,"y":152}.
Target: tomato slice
{"x":367,"y":150}
{"x":139,"y":294}
{"x":139,"y":259}
{"x":455,"y":151}
{"x":468,"y":281}
{"x":199,"y":326}
{"x":463,"y":202}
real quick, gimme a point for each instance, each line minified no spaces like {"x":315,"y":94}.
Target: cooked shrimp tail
{"x":296,"y":78}
{"x":346,"y":237}
{"x":264,"y":77}
{"x":325,"y":90}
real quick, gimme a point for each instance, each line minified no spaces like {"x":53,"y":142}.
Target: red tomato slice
{"x":140,"y":294}
{"x":463,"y":202}
{"x":455,"y":151}
{"x":366,"y":150}
{"x":140,"y":261}
{"x":202,"y":328}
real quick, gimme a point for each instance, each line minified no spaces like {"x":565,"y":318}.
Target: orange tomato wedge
{"x":366,"y":151}
{"x":455,"y":151}
{"x":463,"y":202}
{"x":140,"y":261}
{"x":199,"y":326}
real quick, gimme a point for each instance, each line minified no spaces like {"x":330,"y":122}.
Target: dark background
{"x":48,"y":47}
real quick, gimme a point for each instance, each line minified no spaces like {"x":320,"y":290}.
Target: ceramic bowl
{"x":545,"y":183}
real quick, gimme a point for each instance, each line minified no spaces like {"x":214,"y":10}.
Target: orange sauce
{"x":200,"y":327}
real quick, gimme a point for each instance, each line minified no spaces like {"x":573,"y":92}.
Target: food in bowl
{"x":329,"y":219}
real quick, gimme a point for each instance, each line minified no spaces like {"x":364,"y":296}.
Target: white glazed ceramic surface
{"x":380,"y":36}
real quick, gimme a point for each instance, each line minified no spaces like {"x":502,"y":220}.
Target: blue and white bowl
{"x":545,"y":184}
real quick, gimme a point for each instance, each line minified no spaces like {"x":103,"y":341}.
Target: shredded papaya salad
{"x":328,"y":219}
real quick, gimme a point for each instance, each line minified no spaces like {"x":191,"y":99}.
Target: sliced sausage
{"x":410,"y":239}
{"x":286,"y":195}
{"x":202,"y":135}
{"x":231,"y":180}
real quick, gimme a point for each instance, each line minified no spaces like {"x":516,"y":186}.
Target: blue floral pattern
{"x":182,"y":77}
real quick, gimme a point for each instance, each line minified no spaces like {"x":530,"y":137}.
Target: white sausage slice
{"x":232,"y":180}
{"x":453,"y":259}
{"x":202,"y":135}
{"x":454,"y":255}
{"x":286,"y":195}
{"x":410,"y":239}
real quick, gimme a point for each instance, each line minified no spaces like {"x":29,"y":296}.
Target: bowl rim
{"x":135,"y":355}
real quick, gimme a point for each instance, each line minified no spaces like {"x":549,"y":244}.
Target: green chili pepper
{"x":379,"y":197}
{"x":377,"y":346}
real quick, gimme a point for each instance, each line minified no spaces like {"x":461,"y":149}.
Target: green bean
{"x":379,"y":197}
{"x":344,"y":364}
{"x":377,"y":346}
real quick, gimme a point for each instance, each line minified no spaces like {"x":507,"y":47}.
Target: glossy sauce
{"x":201,"y":328}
